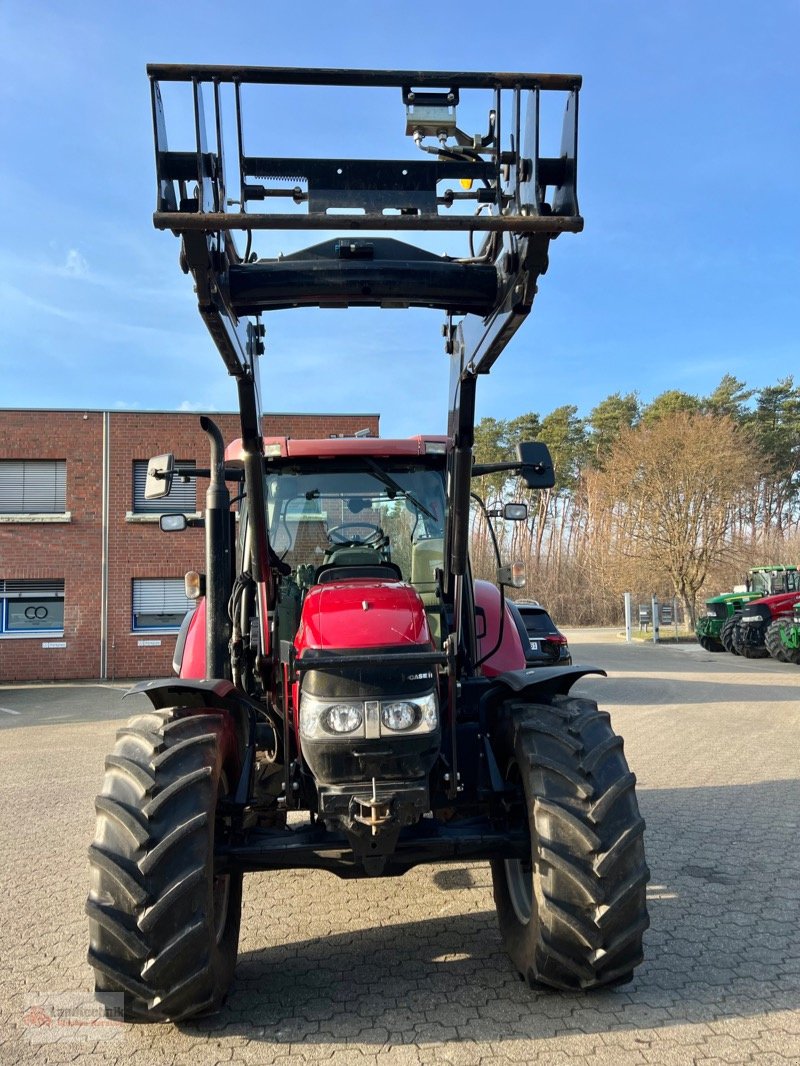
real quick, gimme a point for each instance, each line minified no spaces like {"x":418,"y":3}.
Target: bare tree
{"x":668,"y":493}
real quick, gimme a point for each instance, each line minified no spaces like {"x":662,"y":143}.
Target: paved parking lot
{"x":411,"y":970}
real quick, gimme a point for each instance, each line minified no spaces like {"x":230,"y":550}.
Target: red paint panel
{"x":362,"y":614}
{"x":510,"y":655}
{"x":193,"y":663}
{"x":330,"y":449}
{"x":779,"y":604}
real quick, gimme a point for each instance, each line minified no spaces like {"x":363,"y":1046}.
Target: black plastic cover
{"x":383,"y":680}
{"x":384,"y":273}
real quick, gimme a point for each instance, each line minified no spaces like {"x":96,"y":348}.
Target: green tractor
{"x":783,"y":638}
{"x":714,"y":629}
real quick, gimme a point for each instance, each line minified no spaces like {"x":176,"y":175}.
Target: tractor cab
{"x":773,"y":580}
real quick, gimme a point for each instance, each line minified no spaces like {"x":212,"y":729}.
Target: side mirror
{"x":172,"y":523}
{"x":537,"y":465}
{"x":513,"y":575}
{"x":160,"y":471}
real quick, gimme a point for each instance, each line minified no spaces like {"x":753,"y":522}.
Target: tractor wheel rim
{"x":520,"y":889}
{"x":519,"y":874}
{"x":222,"y":892}
{"x":221,"y":884}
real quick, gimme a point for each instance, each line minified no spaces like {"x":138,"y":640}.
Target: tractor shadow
{"x":685,"y":693}
{"x":640,"y":657}
{"x":724,"y":942}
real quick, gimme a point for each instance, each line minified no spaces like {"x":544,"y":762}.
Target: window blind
{"x":32,"y":486}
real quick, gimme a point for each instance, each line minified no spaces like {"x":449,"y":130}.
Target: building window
{"x":31,"y":607}
{"x":32,"y":486}
{"x":159,"y":603}
{"x":181,"y":498}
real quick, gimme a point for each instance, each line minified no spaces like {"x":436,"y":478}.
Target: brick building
{"x":89,"y":585}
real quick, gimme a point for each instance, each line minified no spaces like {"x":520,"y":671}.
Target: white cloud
{"x":76,"y":264}
{"x":189,"y":405}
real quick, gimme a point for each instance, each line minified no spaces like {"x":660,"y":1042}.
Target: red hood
{"x":362,"y":614}
{"x":781,"y":603}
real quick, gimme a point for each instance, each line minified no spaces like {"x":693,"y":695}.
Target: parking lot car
{"x":544,"y":644}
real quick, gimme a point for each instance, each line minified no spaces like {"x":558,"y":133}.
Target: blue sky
{"x":688,"y":267}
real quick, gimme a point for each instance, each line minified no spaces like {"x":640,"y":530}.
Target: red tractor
{"x":753,"y":624}
{"x":342,"y":666}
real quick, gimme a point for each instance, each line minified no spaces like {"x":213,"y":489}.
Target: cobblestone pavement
{"x":411,"y":970}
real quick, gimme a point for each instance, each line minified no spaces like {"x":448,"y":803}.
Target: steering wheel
{"x":335,"y":535}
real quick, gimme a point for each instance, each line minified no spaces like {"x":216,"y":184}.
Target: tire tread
{"x":152,"y":936}
{"x":588,"y":901}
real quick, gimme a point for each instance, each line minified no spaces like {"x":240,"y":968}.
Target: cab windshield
{"x":360,"y":515}
{"x":772,"y":582}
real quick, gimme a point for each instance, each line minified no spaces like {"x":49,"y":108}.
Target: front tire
{"x":773,"y":642}
{"x":709,"y":643}
{"x":748,"y":639}
{"x":163,"y":923}
{"x":572,"y":918}
{"x":727,"y":634}
{"x":789,"y":653}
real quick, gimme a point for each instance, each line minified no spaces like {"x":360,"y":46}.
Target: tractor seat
{"x":348,"y":555}
{"x":329,"y":572}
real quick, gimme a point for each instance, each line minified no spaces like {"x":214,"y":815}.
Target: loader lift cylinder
{"x":219,"y":558}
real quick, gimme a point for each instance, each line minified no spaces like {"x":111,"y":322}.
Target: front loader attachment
{"x":474,"y":174}
{"x":494,"y":183}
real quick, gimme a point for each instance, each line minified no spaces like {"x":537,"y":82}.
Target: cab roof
{"x":332,"y":447}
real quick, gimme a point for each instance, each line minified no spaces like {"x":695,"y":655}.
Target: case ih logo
{"x":420,"y":677}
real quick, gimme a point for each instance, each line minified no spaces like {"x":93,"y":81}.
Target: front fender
{"x":186,"y":692}
{"x":215,"y":695}
{"x":545,"y":681}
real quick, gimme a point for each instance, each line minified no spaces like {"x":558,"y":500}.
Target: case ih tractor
{"x":751,"y":627}
{"x":761,"y":581}
{"x":348,"y":698}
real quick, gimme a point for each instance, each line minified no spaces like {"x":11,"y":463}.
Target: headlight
{"x":322,"y":719}
{"x":401,"y":716}
{"x":326,"y":718}
{"x":343,"y":718}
